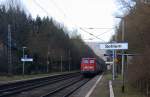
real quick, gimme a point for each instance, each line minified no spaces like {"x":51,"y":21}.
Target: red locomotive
{"x":90,"y":66}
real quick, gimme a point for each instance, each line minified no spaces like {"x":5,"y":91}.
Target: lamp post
{"x":123,"y":31}
{"x":23,"y":60}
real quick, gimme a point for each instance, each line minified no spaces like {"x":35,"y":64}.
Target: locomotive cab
{"x":88,"y":66}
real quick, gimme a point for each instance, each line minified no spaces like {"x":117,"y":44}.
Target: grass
{"x":129,"y":90}
{"x":108,"y":75}
{"x":119,"y":77}
{"x":102,"y":89}
{"x":18,"y":77}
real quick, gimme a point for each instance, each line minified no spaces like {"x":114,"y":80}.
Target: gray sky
{"x":79,"y":13}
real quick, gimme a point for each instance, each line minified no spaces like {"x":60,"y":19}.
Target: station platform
{"x":103,"y":86}
{"x":97,"y":87}
{"x":16,"y":78}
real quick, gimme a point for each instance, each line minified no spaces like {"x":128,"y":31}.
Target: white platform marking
{"x":94,"y":86}
{"x":111,"y":89}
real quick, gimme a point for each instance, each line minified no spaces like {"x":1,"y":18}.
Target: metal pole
{"x":127,"y":65}
{"x":123,"y":86}
{"x":48,"y":62}
{"x":48,"y":53}
{"x":9,"y":51}
{"x":126,"y":69}
{"x":122,"y":50}
{"x":122,"y":63}
{"x":115,"y":64}
{"x":69,"y":60}
{"x":123,"y":30}
{"x":116,"y":34}
{"x":69,"y":64}
{"x":61,"y":64}
{"x":23,"y":63}
{"x":113,"y":71}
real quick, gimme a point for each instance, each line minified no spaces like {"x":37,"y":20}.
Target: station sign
{"x":114,"y":46}
{"x":109,"y":62}
{"x":27,"y":59}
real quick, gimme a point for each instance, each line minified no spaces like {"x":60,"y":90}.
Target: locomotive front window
{"x":85,"y":61}
{"x":91,"y":61}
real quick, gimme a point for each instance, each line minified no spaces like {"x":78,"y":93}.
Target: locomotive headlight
{"x":91,"y":67}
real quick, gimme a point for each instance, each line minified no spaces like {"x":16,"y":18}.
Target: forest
{"x":136,"y":25}
{"x":43,"y":39}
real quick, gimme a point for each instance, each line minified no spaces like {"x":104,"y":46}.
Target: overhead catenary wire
{"x":92,"y":34}
{"x":59,"y":9}
{"x":100,"y":34}
{"x":42,"y":8}
{"x":62,"y":11}
{"x":64,"y":14}
{"x":105,"y":32}
{"x":96,"y":28}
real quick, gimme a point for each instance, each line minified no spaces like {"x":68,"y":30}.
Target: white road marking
{"x":94,"y":86}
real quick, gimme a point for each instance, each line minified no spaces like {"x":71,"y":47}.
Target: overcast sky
{"x":79,"y":13}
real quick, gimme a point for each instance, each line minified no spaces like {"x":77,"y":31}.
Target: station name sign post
{"x":25,"y":59}
{"x":113,"y":47}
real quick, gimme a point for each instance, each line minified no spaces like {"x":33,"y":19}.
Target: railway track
{"x":11,"y":89}
{"x":67,"y":89}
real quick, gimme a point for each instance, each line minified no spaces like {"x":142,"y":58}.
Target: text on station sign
{"x":110,"y":46}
